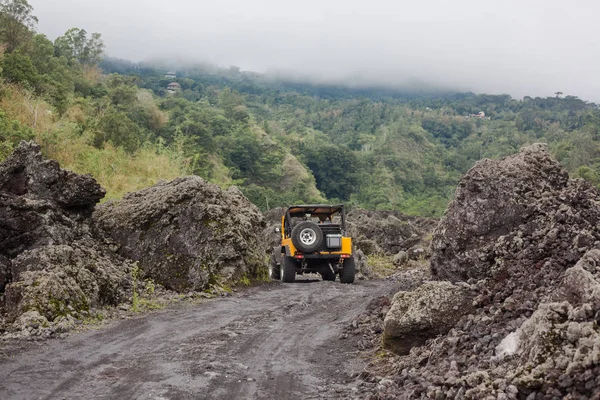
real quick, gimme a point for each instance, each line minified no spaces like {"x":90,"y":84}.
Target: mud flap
{"x":277,"y":254}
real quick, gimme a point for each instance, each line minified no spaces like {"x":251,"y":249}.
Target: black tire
{"x":274,"y":269}
{"x":288,"y":269}
{"x":348,"y":271}
{"x":307,"y":236}
{"x":327,"y":274}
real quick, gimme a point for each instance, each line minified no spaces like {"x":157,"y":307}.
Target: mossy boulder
{"x":65,"y":280}
{"x":187,"y":232}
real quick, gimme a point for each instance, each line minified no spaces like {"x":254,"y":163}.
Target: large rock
{"x":514,"y":217}
{"x":51,"y":263}
{"x":40,"y":203}
{"x":362,"y":264}
{"x":26,"y":173}
{"x":187,"y":233}
{"x":561,"y":339}
{"x":430,"y":310}
{"x":58,"y":280}
{"x":527,"y":240}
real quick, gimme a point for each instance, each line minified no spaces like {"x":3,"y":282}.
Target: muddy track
{"x":278,"y":341}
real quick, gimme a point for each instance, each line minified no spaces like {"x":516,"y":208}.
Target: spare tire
{"x":307,"y":236}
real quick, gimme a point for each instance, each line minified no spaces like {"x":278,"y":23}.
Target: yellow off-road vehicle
{"x":313,"y":239}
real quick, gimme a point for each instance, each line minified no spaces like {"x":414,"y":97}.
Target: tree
{"x":118,"y":128}
{"x":122,"y":90}
{"x":75,"y":45}
{"x":17,"y":23}
{"x":334,"y":168}
{"x":17,"y":68}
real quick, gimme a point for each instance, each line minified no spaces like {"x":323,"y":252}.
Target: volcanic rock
{"x":362,"y":264}
{"x":526,"y":239}
{"x":187,"y":233}
{"x":388,"y":232}
{"x":271,"y":237}
{"x":66,"y":279}
{"x":432,"y":309}
{"x":513,"y":217}
{"x":26,"y":173}
{"x":400,"y":258}
{"x":40,"y":203}
{"x":4,"y":272}
{"x":50,"y":261}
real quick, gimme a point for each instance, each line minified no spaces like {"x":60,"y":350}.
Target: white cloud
{"x":519,"y":47}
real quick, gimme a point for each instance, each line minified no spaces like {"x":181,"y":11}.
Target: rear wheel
{"x":348,"y":271}
{"x":288,"y":269}
{"x":274,"y":269}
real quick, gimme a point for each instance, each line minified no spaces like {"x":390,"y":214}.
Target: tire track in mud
{"x":277,"y":341}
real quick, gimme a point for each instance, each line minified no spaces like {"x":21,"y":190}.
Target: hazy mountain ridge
{"x":280,"y":141}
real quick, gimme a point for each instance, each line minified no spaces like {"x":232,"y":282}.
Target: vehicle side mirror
{"x":277,"y":230}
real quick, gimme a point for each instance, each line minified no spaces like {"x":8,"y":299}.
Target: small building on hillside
{"x":171,"y":75}
{"x":480,"y":115}
{"x":173,"y":87}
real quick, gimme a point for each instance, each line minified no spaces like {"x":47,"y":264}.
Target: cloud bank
{"x":521,"y":48}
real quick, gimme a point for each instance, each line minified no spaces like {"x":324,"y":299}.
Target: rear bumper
{"x":321,"y":256}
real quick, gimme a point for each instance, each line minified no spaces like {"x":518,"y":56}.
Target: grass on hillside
{"x":61,"y":140}
{"x":116,"y":170}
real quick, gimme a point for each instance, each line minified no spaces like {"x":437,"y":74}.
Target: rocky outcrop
{"x":388,"y":232}
{"x":431,"y":310}
{"x":40,"y":203}
{"x":27,"y":175}
{"x":57,"y":266}
{"x":187,"y":233}
{"x":50,"y":261}
{"x":363,"y":269}
{"x":525,"y":238}
{"x":516,"y":216}
{"x":58,"y":280}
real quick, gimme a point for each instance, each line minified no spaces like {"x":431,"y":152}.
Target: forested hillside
{"x":280,"y":142}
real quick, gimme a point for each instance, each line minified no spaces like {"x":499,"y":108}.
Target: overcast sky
{"x":524,"y":47}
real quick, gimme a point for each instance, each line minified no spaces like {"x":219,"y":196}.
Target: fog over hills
{"x":531,"y":48}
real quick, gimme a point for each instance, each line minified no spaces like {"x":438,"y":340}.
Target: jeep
{"x":313,"y":239}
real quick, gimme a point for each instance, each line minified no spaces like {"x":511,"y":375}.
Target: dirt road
{"x":278,"y":341}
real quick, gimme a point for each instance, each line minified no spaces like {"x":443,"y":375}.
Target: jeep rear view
{"x":313,"y":239}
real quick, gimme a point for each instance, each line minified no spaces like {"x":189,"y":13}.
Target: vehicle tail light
{"x":298,"y":256}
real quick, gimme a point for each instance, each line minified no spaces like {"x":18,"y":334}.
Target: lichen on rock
{"x":66,"y":279}
{"x":430,"y":310}
{"x":186,"y":231}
